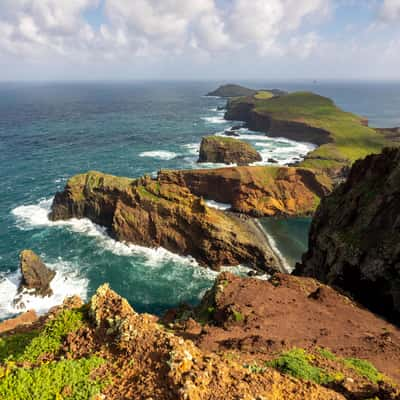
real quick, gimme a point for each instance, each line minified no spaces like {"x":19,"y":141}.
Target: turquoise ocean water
{"x":50,"y":131}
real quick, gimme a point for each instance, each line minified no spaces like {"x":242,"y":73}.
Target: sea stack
{"x":226,"y":150}
{"x":35,"y":275}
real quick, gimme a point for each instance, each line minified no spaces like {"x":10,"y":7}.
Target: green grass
{"x":364,"y":368}
{"x":297,"y":362}
{"x":350,"y":139}
{"x":263,"y":95}
{"x":62,"y":380}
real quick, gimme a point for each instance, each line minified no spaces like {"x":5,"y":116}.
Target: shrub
{"x":364,"y":368}
{"x":297,"y":362}
{"x":66,"y":380}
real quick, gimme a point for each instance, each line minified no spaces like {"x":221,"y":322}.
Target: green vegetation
{"x":63,"y":380}
{"x":30,"y":346}
{"x":364,"y":368}
{"x":50,"y":338}
{"x":351,"y":139}
{"x":297,"y":362}
{"x":12,"y":347}
{"x":263,"y":95}
{"x":326,"y":353}
{"x":237,"y":316}
{"x":222,"y":139}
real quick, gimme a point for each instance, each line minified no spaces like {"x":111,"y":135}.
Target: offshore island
{"x":329,"y":330}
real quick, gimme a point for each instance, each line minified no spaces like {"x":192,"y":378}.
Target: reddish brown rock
{"x":25,"y":318}
{"x":259,"y":191}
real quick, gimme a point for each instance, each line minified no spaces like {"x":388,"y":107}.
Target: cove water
{"x":51,"y":131}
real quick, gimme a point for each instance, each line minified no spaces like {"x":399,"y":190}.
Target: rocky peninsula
{"x":226,"y":150}
{"x":342,"y":137}
{"x":160,"y":212}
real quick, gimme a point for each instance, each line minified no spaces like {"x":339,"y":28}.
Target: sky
{"x":199,"y":39}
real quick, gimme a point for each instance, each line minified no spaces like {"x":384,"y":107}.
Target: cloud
{"x":36,"y":28}
{"x":390,"y":10}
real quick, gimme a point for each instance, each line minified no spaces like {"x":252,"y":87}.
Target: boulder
{"x":35,"y":275}
{"x":220,"y":149}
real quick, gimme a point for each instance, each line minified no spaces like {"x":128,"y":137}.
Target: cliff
{"x":155,"y":213}
{"x":257,"y":190}
{"x":106,"y":350}
{"x":354,"y":238}
{"x":342,"y":137}
{"x":219,"y":149}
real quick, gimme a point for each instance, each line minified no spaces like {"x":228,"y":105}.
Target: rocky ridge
{"x":256,"y":190}
{"x":226,"y":150}
{"x":155,"y":212}
{"x":355,"y":233}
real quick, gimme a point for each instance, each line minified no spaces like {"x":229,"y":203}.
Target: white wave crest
{"x":33,"y":216}
{"x":217,"y":205}
{"x":159,"y":154}
{"x":214,"y":120}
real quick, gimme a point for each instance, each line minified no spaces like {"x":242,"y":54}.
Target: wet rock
{"x":35,"y":275}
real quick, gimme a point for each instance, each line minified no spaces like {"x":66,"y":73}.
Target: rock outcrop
{"x":255,"y":320}
{"x":232,"y":90}
{"x":156,"y":213}
{"x":226,"y":150}
{"x":35,"y":275}
{"x":355,"y":235}
{"x":256,"y":190}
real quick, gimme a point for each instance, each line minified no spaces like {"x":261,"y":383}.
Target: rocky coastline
{"x":328,"y":331}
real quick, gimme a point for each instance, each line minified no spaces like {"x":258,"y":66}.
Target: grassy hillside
{"x":351,"y":139}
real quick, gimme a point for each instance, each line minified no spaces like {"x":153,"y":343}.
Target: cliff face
{"x":218,"y":149}
{"x":355,"y":236}
{"x":264,"y":122}
{"x":157,"y":213}
{"x":258,"y":191}
{"x":342,"y":137}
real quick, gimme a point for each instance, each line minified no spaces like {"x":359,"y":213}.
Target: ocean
{"x":51,"y":131}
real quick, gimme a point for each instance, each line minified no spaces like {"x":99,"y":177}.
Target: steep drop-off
{"x":156,"y":213}
{"x":355,"y":235}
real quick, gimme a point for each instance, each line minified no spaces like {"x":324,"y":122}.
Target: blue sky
{"x":199,"y":39}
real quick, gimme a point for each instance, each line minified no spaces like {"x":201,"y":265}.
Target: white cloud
{"x":142,"y":27}
{"x":390,"y":10}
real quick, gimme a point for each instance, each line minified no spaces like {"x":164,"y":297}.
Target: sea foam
{"x":159,"y":154}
